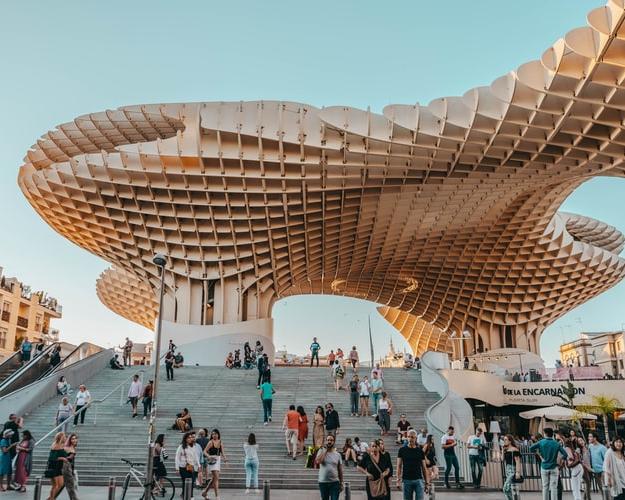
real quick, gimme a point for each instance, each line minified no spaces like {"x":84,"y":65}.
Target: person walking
{"x":549,"y":450}
{"x":24,"y":461}
{"x":364,"y":387}
{"x":83,"y":398}
{"x":377,"y":386}
{"x":574,"y":464}
{"x":14,"y":424}
{"x":160,"y":455}
{"x":333,"y":423}
{"x":512,"y":461}
{"x":385,"y":409}
{"x":475,"y":445}
{"x":69,"y":467}
{"x":54,"y":469}
{"x":339,"y":373}
{"x":318,"y":428}
{"x":251,"y":463}
{"x":290,"y":426}
{"x":386,"y":458}
{"x":55,"y":357}
{"x":266,"y":396}
{"x":330,"y":477}
{"x":302,"y":429}
{"x":431,"y":462}
{"x":134,"y":392}
{"x":146,"y":399}
{"x":214,"y":453}
{"x":331,"y":358}
{"x":375,"y":467}
{"x":260,"y":363}
{"x":170,"y":358}
{"x":63,"y":414}
{"x":187,"y":462}
{"x":353,"y":358}
{"x":449,"y":443}
{"x":597,"y":452}
{"x":354,"y":387}
{"x":411,"y":470}
{"x":314,"y":351}
{"x":614,"y":469}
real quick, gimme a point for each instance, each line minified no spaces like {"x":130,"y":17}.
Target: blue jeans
{"x":251,"y":473}
{"x":413,"y":488}
{"x":451,"y":461}
{"x":376,"y":397}
{"x":475,"y":462}
{"x":267,"y":409}
{"x":330,"y":491}
{"x":549,"y":478}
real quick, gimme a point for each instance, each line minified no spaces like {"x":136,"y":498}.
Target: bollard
{"x":111,"y":488}
{"x":266,"y":490}
{"x":38,"y":488}
{"x":348,"y":491}
{"x":188,"y":486}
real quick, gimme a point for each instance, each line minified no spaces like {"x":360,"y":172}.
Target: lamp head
{"x":160,"y":260}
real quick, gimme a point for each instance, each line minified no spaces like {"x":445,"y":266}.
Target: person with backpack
{"x":576,"y":470}
{"x":314,"y":351}
{"x":339,"y":373}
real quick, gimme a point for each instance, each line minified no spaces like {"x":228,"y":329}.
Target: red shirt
{"x":292,"y":420}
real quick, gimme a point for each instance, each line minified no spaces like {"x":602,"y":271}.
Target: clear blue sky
{"x":63,"y":59}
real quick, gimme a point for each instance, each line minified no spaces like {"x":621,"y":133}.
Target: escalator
{"x":10,"y":365}
{"x":40,"y":366}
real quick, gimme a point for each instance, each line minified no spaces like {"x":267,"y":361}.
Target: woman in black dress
{"x":374,"y":465}
{"x":54,"y":471}
{"x":159,"y":455}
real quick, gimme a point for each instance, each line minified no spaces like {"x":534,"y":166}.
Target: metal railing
{"x":95,"y":403}
{"x":28,"y":373}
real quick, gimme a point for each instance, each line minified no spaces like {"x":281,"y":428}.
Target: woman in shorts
{"x":365,"y":387}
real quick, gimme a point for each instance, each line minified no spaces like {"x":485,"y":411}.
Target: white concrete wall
{"x":208,"y":345}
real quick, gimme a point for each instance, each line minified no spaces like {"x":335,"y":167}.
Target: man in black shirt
{"x":402,"y":429}
{"x":14,"y":424}
{"x":169,"y":365}
{"x":332,"y":420}
{"x":411,"y":469}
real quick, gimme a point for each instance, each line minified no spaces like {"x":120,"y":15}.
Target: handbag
{"x":377,"y":487}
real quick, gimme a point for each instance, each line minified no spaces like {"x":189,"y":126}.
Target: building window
{"x":6,"y":311}
{"x":38,"y":322}
{"x":3,"y":337}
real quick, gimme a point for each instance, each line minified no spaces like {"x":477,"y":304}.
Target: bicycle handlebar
{"x":131,"y":463}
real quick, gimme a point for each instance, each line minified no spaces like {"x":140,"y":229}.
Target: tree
{"x":602,"y":405}
{"x":568,"y":394}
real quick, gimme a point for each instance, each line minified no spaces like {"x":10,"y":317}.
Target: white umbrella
{"x":557,"y":413}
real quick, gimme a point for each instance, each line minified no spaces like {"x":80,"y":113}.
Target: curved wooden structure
{"x":445,"y":213}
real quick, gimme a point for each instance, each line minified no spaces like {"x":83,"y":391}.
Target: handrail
{"x":89,"y":405}
{"x":443,"y":396}
{"x":64,"y":363}
{"x":12,"y":357}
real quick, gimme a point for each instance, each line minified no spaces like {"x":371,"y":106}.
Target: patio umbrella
{"x":557,"y":413}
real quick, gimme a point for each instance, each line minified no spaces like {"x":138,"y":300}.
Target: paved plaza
{"x":100,"y":493}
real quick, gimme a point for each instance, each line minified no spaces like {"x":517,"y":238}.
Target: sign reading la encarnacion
{"x":540,"y":391}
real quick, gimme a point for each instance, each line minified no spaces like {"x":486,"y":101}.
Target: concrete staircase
{"x":227,"y":400}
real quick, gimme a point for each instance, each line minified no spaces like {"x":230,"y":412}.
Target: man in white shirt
{"x":476,"y":444}
{"x":422,"y":437}
{"x":134,"y":392}
{"x":83,"y":398}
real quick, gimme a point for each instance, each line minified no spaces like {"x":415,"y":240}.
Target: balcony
{"x":22,"y":322}
{"x":6,"y":315}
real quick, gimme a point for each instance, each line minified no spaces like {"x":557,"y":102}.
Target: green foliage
{"x":568,"y":395}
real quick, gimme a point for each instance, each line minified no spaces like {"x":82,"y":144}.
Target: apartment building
{"x":604,"y":349}
{"x":25,"y":313}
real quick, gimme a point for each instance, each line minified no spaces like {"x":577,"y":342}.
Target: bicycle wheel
{"x":165,"y":489}
{"x":125,"y":486}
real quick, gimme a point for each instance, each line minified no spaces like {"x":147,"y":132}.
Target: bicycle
{"x":163,"y":488}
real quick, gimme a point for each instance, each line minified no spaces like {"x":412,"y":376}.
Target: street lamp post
{"x":160,"y":260}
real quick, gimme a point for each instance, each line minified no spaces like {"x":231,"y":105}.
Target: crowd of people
{"x":252,"y":358}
